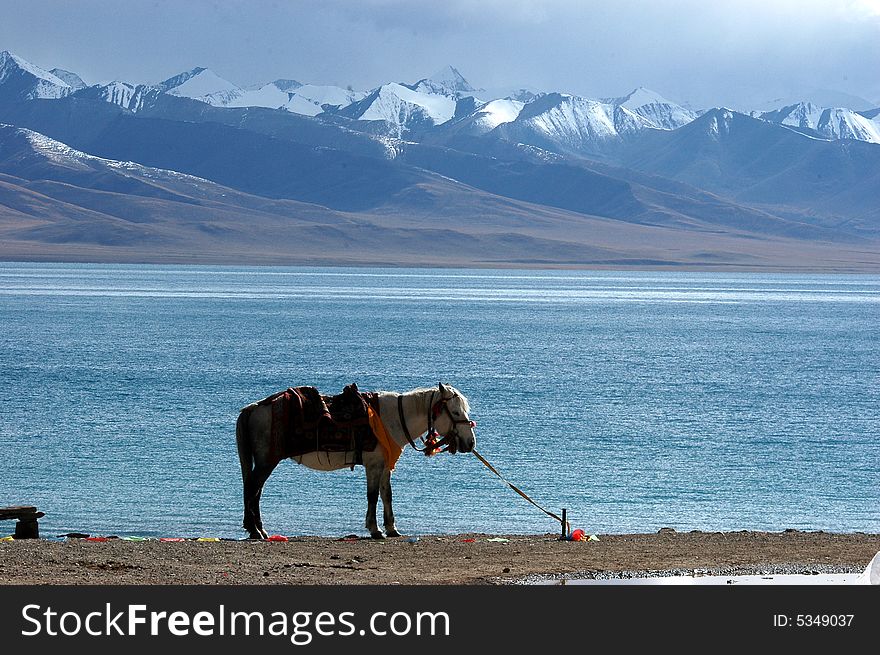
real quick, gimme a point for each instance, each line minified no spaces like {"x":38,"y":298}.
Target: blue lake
{"x":637,"y":400}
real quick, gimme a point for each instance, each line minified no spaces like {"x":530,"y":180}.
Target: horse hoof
{"x":377,"y":535}
{"x":393,"y":533}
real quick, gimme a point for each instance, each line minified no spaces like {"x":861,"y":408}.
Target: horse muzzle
{"x":462,"y":444}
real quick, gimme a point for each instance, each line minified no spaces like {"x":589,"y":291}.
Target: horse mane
{"x":466,"y":406}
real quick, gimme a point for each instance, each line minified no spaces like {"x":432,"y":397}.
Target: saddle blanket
{"x":304,"y":421}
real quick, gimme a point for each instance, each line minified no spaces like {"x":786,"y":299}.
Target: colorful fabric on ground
{"x":208,"y":539}
{"x":390,"y":449}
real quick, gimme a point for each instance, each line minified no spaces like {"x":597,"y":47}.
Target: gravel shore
{"x":430,"y":559}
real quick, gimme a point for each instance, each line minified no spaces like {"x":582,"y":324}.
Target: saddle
{"x":304,"y":421}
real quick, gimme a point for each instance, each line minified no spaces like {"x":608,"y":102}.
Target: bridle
{"x":434,"y":442}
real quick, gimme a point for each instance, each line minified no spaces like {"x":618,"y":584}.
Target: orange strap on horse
{"x":390,"y":450}
{"x":520,"y":491}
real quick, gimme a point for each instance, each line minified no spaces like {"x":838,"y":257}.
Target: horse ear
{"x":444,"y":390}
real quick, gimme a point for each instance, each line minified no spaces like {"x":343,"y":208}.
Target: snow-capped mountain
{"x":660,"y":112}
{"x":487,"y":116}
{"x":313,"y":99}
{"x":307,"y":99}
{"x":520,"y":94}
{"x":72,"y":79}
{"x":292,"y":96}
{"x":202,"y":84}
{"x":826,"y":122}
{"x":757,"y":161}
{"x":41,"y":146}
{"x":840,"y":123}
{"x":801,"y":114}
{"x":126,"y":95}
{"x":718,"y":122}
{"x":446,"y":82}
{"x":817,"y":97}
{"x":402,"y":109}
{"x":527,"y":160}
{"x":268,"y":95}
{"x":496,"y":112}
{"x":572,"y":124}
{"x":22,"y":80}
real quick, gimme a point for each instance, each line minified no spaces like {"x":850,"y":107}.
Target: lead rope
{"x":566,"y":527}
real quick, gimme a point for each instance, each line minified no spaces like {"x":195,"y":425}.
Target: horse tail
{"x":243,"y":440}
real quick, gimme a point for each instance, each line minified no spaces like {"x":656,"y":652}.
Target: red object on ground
{"x":467,"y":541}
{"x":277,"y":537}
{"x":578,"y":535}
{"x":97,"y":539}
{"x":172,"y":539}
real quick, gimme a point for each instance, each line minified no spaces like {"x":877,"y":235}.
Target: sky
{"x":737,"y":53}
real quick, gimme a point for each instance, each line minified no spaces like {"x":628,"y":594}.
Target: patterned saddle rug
{"x":304,"y":421}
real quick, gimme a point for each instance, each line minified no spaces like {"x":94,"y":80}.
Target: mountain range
{"x":196,"y":168}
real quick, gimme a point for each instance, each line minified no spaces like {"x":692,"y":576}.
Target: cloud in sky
{"x":731,"y":52}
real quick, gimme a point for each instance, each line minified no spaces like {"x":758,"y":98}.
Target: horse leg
{"x":249,"y":523}
{"x":374,"y":475}
{"x":387,"y":509}
{"x":257,"y":479}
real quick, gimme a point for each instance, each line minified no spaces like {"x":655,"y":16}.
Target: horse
{"x":441,"y":410}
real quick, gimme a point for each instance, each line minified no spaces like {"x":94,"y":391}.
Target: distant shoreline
{"x":861,"y":268}
{"x":430,"y":559}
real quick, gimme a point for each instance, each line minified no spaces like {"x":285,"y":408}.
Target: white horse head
{"x":450,"y":413}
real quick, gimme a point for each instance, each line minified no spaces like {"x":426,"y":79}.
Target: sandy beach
{"x":432,"y":559}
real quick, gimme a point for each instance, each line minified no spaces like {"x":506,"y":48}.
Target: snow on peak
{"x":660,"y":112}
{"x":577,"y":123}
{"x":449,"y":78}
{"x":61,"y":153}
{"x":829,"y":122}
{"x":843,"y":123}
{"x":202,"y":84}
{"x":290,"y":95}
{"x":268,"y":95}
{"x":73,"y":80}
{"x":640,"y":97}
{"x":496,"y":112}
{"x":177,"y":80}
{"x":403,"y":108}
{"x":310,"y":99}
{"x":49,"y":148}
{"x":718,"y":121}
{"x":445,"y":82}
{"x":801,"y":114}
{"x":45,"y":84}
{"x":128,"y":96}
{"x":9,"y":62}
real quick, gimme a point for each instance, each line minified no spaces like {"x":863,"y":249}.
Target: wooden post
{"x":27,"y":528}
{"x":564,"y":523}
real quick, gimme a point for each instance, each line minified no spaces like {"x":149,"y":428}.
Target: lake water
{"x":637,"y":400}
